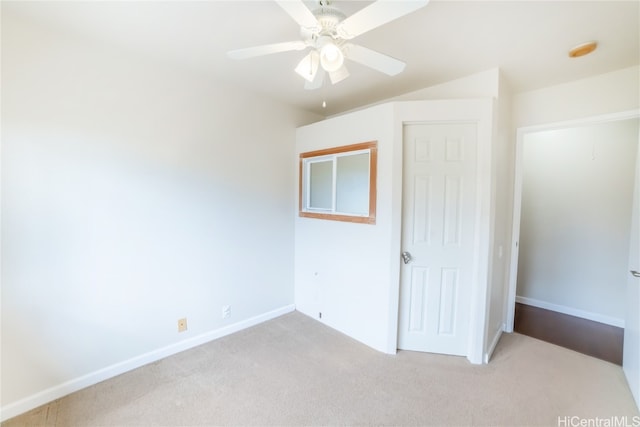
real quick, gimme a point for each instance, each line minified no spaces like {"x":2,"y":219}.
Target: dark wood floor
{"x":585,"y":336}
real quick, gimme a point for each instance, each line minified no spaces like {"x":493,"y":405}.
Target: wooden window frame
{"x":372,"y":147}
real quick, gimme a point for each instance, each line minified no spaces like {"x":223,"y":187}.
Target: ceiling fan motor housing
{"x":328,"y":17}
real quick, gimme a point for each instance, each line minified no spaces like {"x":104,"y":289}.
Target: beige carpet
{"x":295,"y":371}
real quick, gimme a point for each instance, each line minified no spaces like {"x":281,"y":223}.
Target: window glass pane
{"x":339,"y":183}
{"x":321,"y":184}
{"x":352,"y":184}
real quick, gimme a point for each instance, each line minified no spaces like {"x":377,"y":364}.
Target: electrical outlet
{"x":226,"y":311}
{"x":182,"y":325}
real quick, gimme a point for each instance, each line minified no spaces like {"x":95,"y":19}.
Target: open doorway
{"x":573,"y":201}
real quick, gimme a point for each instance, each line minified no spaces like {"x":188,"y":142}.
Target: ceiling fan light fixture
{"x":308,"y":67}
{"x":325,"y":31}
{"x":331,"y":57}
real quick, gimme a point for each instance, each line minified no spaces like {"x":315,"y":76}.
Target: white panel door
{"x":439,"y":190}
{"x":631,"y":352}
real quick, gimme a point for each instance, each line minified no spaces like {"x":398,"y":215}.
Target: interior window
{"x":339,"y":183}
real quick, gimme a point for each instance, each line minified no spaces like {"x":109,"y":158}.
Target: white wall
{"x":485,"y":84}
{"x":604,"y":94}
{"x":133,"y":195}
{"x":343,"y":269}
{"x":576,"y":209}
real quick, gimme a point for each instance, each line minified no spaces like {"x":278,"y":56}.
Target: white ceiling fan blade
{"x":376,"y":60}
{"x":300,"y":13}
{"x":339,"y":75}
{"x":308,"y":67}
{"x":375,"y":15}
{"x":266,"y":49}
{"x":317,"y":81}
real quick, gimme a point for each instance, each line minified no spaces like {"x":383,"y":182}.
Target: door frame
{"x":517,"y":191}
{"x":482,"y":112}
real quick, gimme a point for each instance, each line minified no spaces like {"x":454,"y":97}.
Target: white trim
{"x":494,"y":343}
{"x":515,"y":232}
{"x":483,"y":234}
{"x":16,"y":408}
{"x":517,"y":199}
{"x":586,"y":121}
{"x":600,"y":318}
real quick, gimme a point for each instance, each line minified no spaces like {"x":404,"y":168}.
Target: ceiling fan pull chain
{"x":324,"y":96}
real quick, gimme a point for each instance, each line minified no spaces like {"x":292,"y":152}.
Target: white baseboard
{"x":494,"y":343}
{"x":607,"y":320}
{"x":16,"y":408}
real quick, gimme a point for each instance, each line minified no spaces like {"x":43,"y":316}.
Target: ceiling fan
{"x":328,"y":31}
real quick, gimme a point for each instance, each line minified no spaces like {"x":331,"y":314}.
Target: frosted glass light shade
{"x":308,"y":67}
{"x":331,"y":57}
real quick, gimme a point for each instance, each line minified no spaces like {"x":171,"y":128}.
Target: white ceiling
{"x":445,"y":40}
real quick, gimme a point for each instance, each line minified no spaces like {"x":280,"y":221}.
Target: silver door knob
{"x":406,"y":257}
{"x":635,"y":273}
